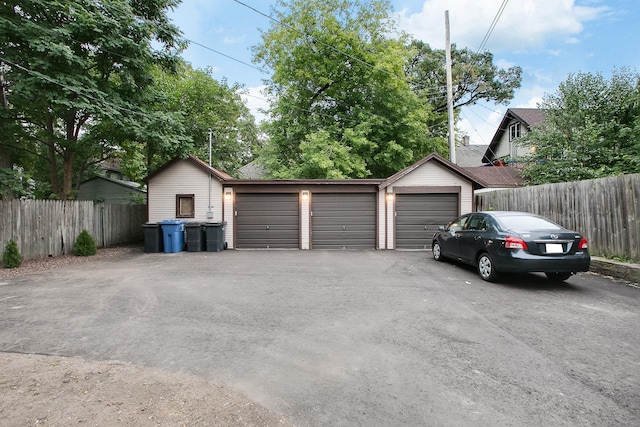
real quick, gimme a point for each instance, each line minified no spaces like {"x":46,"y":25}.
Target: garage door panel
{"x":418,"y":216}
{"x":344,"y":221}
{"x":267,"y":220}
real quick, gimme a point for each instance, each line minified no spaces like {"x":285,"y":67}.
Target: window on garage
{"x":185,"y":206}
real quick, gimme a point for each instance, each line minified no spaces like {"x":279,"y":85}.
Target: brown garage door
{"x":419,"y":215}
{"x":343,"y":221}
{"x":267,"y":220}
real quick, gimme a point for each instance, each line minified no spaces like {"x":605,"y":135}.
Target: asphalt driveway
{"x":348,"y":338}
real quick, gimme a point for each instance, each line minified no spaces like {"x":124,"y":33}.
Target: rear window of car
{"x":528,"y":223}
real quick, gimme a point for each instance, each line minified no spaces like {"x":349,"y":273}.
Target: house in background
{"x":112,"y":191}
{"x":469,"y":155}
{"x":504,"y":147}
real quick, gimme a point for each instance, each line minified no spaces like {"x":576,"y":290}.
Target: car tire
{"x":486,"y":268}
{"x":437,"y":251}
{"x":557,"y":277}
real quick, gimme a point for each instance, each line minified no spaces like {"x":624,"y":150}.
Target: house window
{"x":185,"y":206}
{"x":514,"y":131}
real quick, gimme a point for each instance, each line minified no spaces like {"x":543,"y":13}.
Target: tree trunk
{"x":67,"y":174}
{"x":5,"y":155}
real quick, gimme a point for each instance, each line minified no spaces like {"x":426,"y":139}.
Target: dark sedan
{"x":512,"y":242}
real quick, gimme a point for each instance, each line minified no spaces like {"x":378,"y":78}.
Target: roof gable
{"x":220,"y":175}
{"x":526,"y":116}
{"x":433,"y":157}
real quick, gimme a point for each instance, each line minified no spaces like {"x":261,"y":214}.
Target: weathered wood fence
{"x":606,"y":210}
{"x":44,"y":228}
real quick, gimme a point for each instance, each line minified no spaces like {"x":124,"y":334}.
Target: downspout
{"x":209,"y":211}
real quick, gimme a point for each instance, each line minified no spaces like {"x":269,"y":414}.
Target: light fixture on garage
{"x":305,"y":196}
{"x":390,"y":197}
{"x":227,"y":196}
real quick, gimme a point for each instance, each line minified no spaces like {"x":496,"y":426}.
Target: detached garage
{"x":401,"y":212}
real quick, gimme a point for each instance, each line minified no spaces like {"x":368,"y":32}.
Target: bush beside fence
{"x":44,"y":228}
{"x":606,"y":210}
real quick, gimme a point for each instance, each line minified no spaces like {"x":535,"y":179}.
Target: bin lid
{"x":215,"y":224}
{"x":194,"y":224}
{"x":173,"y":221}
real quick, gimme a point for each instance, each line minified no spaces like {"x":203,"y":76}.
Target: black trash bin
{"x":195,"y":237}
{"x":215,"y":236}
{"x":152,"y":237}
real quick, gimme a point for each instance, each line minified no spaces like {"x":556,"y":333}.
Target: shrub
{"x":85,"y":245}
{"x":11,"y":256}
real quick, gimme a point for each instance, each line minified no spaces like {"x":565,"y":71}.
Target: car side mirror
{"x":441,"y":228}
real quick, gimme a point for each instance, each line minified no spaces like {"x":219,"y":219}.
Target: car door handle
{"x":477,"y":238}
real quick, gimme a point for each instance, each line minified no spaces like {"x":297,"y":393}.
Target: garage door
{"x":343,"y":221}
{"x":419,"y":215}
{"x":267,"y":220}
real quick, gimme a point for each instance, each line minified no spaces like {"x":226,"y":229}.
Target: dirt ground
{"x":62,"y":391}
{"x":59,"y":391}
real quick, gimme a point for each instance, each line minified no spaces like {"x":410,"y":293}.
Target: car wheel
{"x":437,"y":251}
{"x":486,"y":269}
{"x":558,"y":277}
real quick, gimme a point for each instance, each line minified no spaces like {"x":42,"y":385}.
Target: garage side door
{"x":419,"y":215}
{"x":267,"y":221}
{"x":343,"y":221}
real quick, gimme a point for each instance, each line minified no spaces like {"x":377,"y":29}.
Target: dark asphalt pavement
{"x":349,"y":338}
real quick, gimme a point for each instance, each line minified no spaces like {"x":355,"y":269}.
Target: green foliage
{"x":11,"y":257}
{"x":340,"y":104}
{"x":474,"y":75}
{"x":85,"y":245}
{"x":591,"y":130}
{"x":71,"y":63}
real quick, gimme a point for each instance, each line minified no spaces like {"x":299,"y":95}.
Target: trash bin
{"x":152,"y":237}
{"x":173,"y":235}
{"x":196,"y":240}
{"x":215,"y":236}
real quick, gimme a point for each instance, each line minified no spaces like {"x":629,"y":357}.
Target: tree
{"x":340,"y":105}
{"x":180,"y":108}
{"x":474,"y":75}
{"x":73,"y":63}
{"x":591,"y":129}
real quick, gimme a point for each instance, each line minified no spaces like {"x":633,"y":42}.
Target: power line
{"x":493,"y":25}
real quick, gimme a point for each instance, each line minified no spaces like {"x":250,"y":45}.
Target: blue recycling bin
{"x":173,"y":235}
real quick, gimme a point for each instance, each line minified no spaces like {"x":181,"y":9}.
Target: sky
{"x":548,"y":39}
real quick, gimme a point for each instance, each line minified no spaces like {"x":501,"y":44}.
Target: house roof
{"x":498,"y":176}
{"x":527,"y":116}
{"x":433,"y":157}
{"x":222,"y":176}
{"x":129,"y":184}
{"x":470,"y":155}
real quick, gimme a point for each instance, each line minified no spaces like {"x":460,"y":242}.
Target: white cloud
{"x":524,"y":24}
{"x":233,"y":40}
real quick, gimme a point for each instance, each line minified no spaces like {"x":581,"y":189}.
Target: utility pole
{"x":452,"y":135}
{"x":209,"y":209}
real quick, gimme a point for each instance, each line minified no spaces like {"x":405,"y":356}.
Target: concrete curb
{"x":621,"y":270}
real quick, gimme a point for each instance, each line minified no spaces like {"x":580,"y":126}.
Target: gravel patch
{"x":44,"y":264}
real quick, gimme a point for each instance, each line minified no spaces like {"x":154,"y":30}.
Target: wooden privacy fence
{"x":44,"y":228}
{"x":605,"y":210}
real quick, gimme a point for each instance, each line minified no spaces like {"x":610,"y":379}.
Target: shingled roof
{"x":497,"y":176}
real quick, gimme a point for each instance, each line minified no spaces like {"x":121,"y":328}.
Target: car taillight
{"x":515,"y":243}
{"x":583,"y":244}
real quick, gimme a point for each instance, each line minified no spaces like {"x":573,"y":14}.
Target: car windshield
{"x":528,"y":223}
